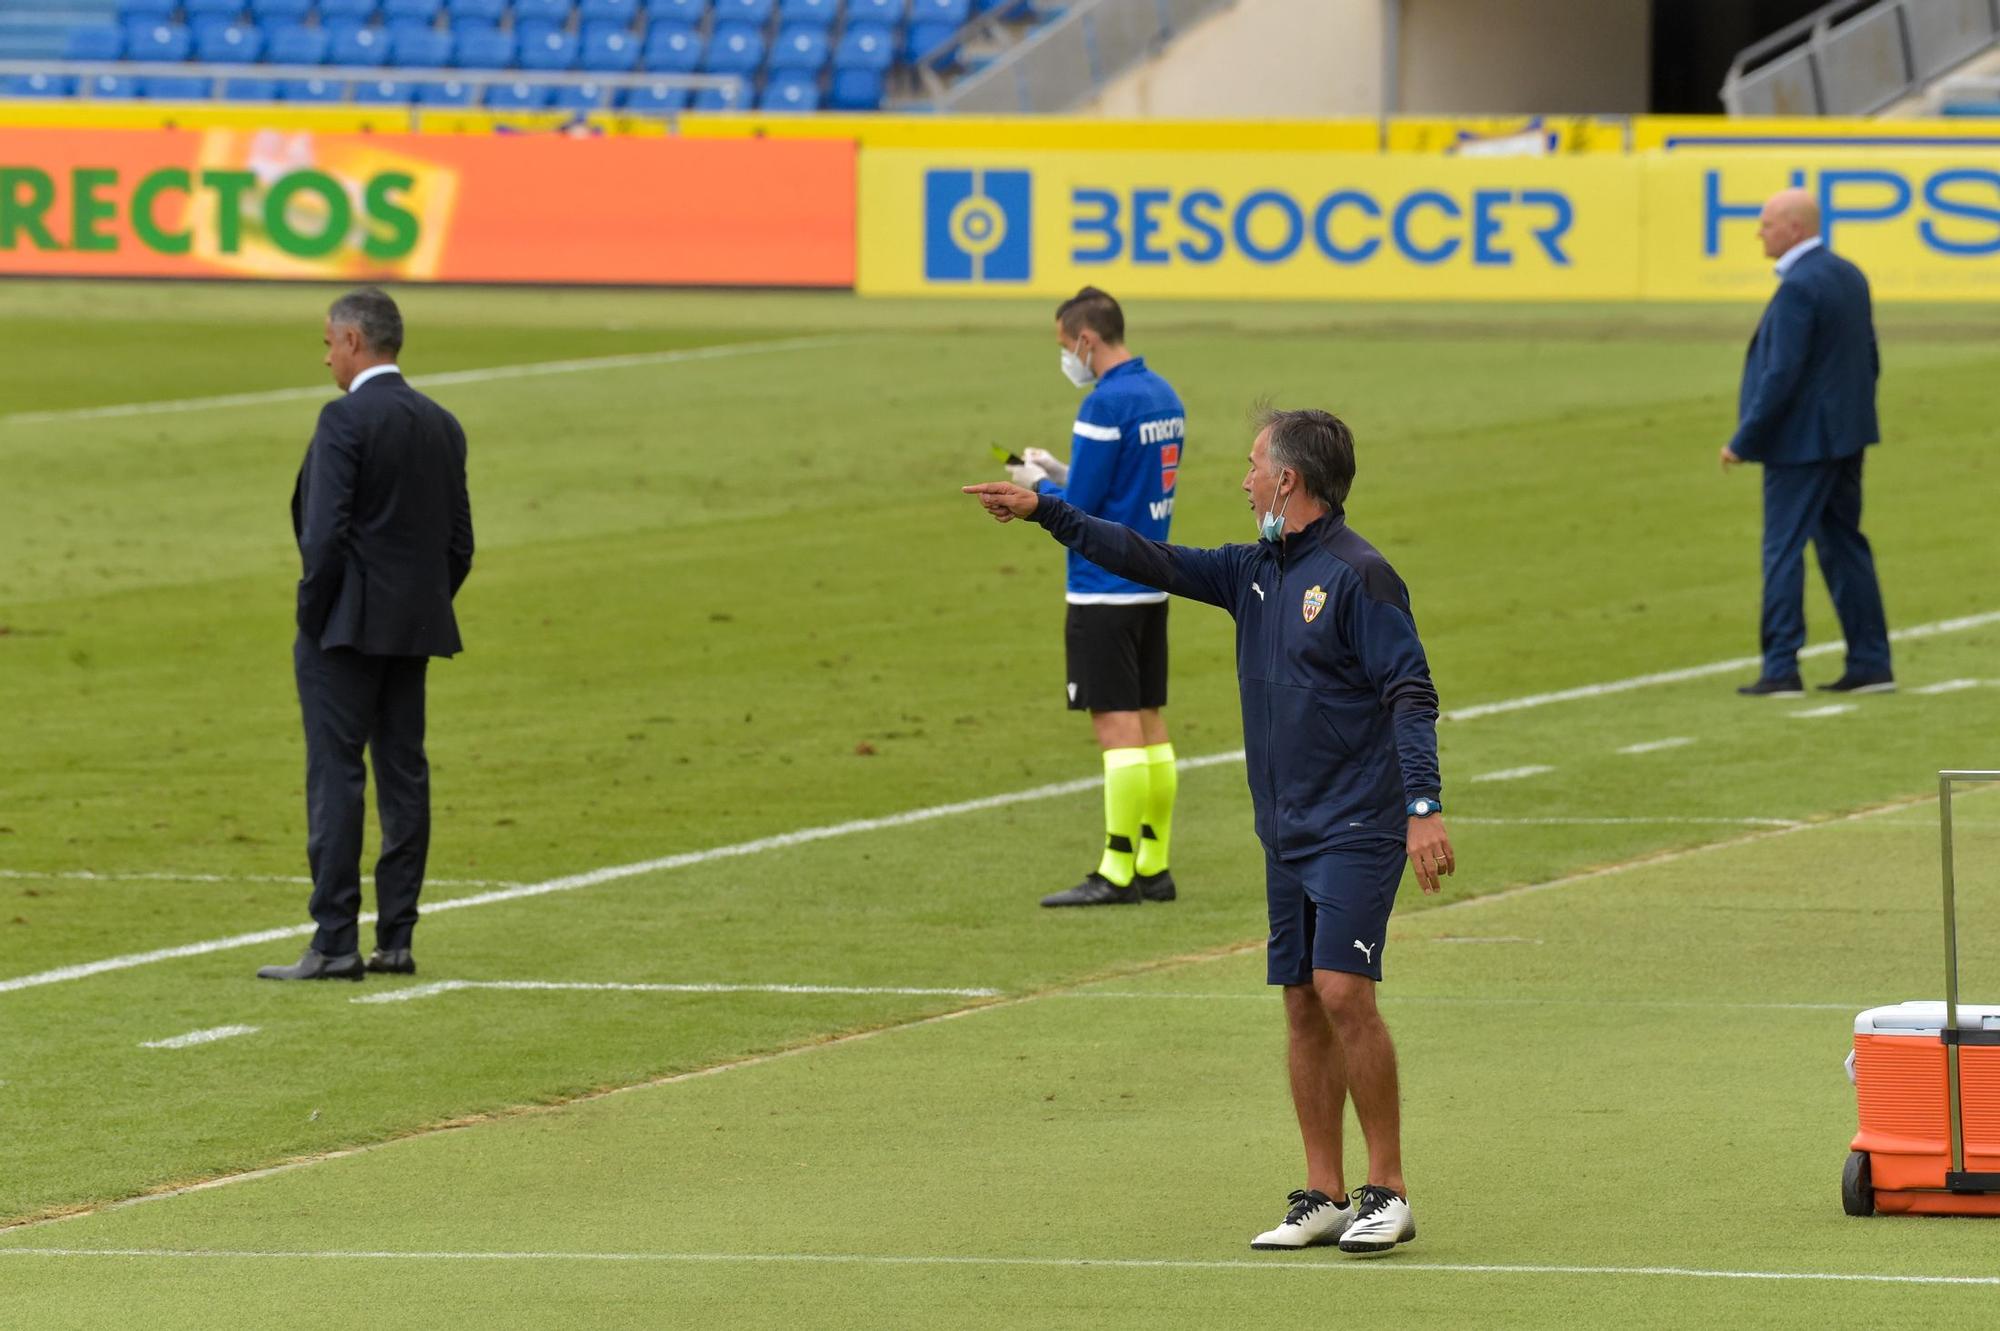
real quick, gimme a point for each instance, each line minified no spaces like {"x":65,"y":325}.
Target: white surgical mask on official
{"x":1076,"y":369}
{"x":1271,"y":526}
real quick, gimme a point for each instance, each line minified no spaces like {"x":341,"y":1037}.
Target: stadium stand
{"x":654,"y":56}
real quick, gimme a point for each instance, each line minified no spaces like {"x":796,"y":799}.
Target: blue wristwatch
{"x":1425,"y":807}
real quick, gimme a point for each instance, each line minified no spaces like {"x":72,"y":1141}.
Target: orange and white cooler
{"x":1902,"y":1157}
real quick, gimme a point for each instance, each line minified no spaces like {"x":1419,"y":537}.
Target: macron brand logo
{"x":1365,"y":950}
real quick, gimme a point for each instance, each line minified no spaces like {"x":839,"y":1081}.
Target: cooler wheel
{"x":1857,"y":1189}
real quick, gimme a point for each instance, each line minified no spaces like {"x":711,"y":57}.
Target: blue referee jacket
{"x":1339,"y":712}
{"x":1125,"y":456}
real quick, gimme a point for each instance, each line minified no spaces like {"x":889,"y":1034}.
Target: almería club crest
{"x":1315,"y":602}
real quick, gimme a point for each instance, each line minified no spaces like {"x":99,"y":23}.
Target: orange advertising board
{"x":381,"y":207}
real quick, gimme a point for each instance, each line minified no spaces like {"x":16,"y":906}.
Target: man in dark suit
{"x":1807,"y":411}
{"x":384,"y":527}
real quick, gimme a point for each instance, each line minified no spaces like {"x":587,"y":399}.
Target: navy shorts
{"x":1330,"y":910}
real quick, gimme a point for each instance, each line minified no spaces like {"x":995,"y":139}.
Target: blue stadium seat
{"x":358,"y":10}
{"x":154,"y":11}
{"x":161,"y":88}
{"x":415,"y":47}
{"x":412,"y":11}
{"x":1970,"y":109}
{"x":96,"y":41}
{"x":249,"y":90}
{"x":309,"y":90}
{"x":801,"y":50}
{"x":734,"y":48}
{"x":516,"y":96}
{"x":887,"y":13}
{"x":855,"y":89}
{"x":617,"y":12}
{"x":610,"y":52}
{"x":583,"y":97}
{"x":865,"y":46}
{"x":555,"y":13}
{"x":790,"y":92}
{"x":39,"y":85}
{"x":671,"y":48}
{"x":485,"y":48}
{"x":756,"y":12}
{"x":957,"y":13}
{"x":449,"y":93}
{"x":201,"y":9}
{"x":475,"y":11}
{"x":205,"y":28}
{"x":112,"y":86}
{"x":690,"y":12}
{"x":383,"y":92}
{"x":157,"y":43}
{"x":235,"y":44}
{"x":654,"y":98}
{"x":295,"y":44}
{"x":809,"y":13}
{"x":351,"y":44}
{"x":280,"y":11}
{"x":736,"y":97}
{"x":547,"y":49}
{"x":932,"y":40}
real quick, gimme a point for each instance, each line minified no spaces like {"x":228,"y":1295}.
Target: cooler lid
{"x":1925,"y":1018}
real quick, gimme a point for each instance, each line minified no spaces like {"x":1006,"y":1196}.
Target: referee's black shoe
{"x":1095,"y":890}
{"x":392,"y":961}
{"x":1155,"y":886}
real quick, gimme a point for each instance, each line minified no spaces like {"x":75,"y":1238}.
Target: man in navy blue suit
{"x":384,"y":529}
{"x":1807,"y":412}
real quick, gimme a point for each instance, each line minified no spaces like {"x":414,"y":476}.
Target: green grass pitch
{"x":726,"y":591}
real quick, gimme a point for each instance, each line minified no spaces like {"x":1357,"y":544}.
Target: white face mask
{"x":1076,"y":369}
{"x":1271,"y":527}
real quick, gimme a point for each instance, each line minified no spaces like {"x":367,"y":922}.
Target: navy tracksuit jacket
{"x":1339,"y":713}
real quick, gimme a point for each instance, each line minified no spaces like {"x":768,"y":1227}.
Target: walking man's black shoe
{"x":317,"y":966}
{"x":392,"y":961}
{"x":1791,"y":686}
{"x":1851,"y":683}
{"x":1155,"y":886}
{"x":1095,"y":890}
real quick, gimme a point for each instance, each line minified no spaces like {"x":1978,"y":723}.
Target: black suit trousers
{"x":353,"y":702}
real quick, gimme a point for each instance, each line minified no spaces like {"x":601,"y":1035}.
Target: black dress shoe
{"x":1155,"y":886}
{"x":392,"y":961}
{"x":1791,"y":686}
{"x":316,"y":966}
{"x":1852,"y":683}
{"x":1094,"y":890}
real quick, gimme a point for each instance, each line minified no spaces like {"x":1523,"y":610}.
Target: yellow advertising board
{"x":1314,"y":226}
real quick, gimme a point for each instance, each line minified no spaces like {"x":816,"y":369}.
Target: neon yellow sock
{"x":1124,"y":809}
{"x":1163,"y":779}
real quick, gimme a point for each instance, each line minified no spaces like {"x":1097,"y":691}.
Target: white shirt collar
{"x":370,"y":373}
{"x":1795,"y":253}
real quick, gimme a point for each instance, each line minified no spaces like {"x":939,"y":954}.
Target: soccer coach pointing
{"x":384,"y":528}
{"x":1339,"y":731}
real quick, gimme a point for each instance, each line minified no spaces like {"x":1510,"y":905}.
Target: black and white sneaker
{"x":1313,"y":1221}
{"x":1155,"y":886}
{"x":1094,"y":890}
{"x":1381,"y":1221}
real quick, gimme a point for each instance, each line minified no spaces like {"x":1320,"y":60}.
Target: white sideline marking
{"x":717,"y":351}
{"x":811,"y":834}
{"x":92,"y":876}
{"x":1670,"y":820}
{"x":1344,"y":1269}
{"x":1948,"y":686}
{"x":1654,"y":746}
{"x":1831,"y":709}
{"x":1514,"y":773}
{"x":1474,"y":938}
{"x":1932,"y":630}
{"x":209,"y":1036}
{"x":555,"y":986}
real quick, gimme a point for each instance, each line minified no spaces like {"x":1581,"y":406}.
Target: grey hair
{"x":1315,"y":444}
{"x":370,"y":310}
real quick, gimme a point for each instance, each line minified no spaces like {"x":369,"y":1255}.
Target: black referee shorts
{"x":1117,"y":657}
